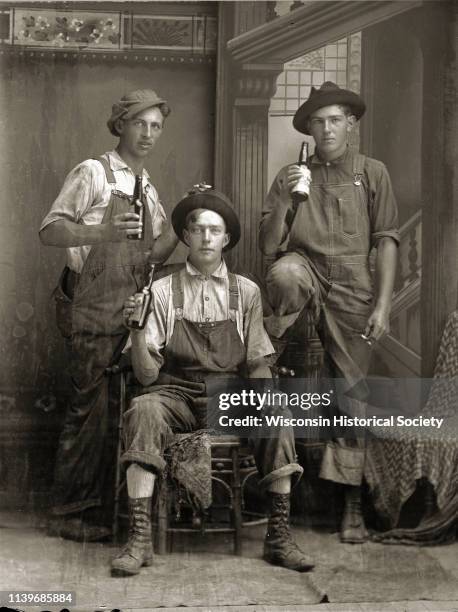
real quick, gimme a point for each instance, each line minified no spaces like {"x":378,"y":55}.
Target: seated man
{"x":322,"y":264}
{"x":204,"y":321}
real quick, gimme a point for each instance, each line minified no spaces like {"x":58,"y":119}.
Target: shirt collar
{"x":220,"y":272}
{"x":117,"y":163}
{"x":339,"y":160}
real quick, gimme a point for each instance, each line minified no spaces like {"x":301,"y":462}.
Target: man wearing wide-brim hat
{"x":94,"y":220}
{"x":205,"y":322}
{"x":322,"y":242}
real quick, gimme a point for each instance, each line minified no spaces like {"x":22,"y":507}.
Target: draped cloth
{"x":189,"y":467}
{"x":393,"y":466}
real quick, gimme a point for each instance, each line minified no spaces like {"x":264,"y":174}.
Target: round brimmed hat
{"x":131,"y":104}
{"x":328,"y":94}
{"x":204,"y":196}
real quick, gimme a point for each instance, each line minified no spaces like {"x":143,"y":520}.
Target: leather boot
{"x":139,"y":548}
{"x":353,"y":530}
{"x":279,"y":546}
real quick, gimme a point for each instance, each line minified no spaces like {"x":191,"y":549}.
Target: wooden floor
{"x":202,"y":575}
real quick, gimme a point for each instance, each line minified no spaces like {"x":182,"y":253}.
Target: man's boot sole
{"x":278,"y":563}
{"x":119,"y":572}
{"x":345,"y":540}
{"x":352,"y":539}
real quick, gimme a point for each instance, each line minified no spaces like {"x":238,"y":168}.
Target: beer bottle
{"x":139,"y":210}
{"x":300,"y":191}
{"x":137,"y":319}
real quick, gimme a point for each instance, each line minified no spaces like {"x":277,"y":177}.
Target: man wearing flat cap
{"x":204,"y":322}
{"x":322,"y":249}
{"x":93,"y":219}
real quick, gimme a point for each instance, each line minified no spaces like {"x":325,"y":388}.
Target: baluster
{"x":413,"y":256}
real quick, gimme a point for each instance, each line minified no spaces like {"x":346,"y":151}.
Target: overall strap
{"x":108,"y":171}
{"x":177,"y":295}
{"x":111,"y":179}
{"x":358,"y":168}
{"x":233,"y":295}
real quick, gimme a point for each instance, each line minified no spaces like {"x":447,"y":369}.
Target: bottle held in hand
{"x":300,"y":191}
{"x":137,"y":319}
{"x":139,"y":210}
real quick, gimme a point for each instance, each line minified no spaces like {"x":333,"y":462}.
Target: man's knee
{"x":145,"y":411}
{"x":289,"y":277}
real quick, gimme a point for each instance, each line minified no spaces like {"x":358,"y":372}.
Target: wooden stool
{"x":231,"y":468}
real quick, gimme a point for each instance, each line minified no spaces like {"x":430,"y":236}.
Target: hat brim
{"x":210,"y":200}
{"x":327,"y":98}
{"x":131,"y":112}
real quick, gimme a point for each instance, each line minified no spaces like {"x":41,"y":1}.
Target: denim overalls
{"x":196,"y":352}
{"x":326,"y":268}
{"x":112,"y":272}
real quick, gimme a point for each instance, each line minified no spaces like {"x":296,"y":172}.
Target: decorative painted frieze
{"x":185,"y":35}
{"x":65,"y":29}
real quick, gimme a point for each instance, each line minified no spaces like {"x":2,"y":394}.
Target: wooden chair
{"x":232,"y":465}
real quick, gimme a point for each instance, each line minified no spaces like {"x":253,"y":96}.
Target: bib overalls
{"x":195,"y":352}
{"x":112,"y":272}
{"x":326,"y":268}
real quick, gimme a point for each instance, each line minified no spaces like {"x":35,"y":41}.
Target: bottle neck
{"x":150,"y":278}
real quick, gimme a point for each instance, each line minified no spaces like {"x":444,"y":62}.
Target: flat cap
{"x":131,"y":104}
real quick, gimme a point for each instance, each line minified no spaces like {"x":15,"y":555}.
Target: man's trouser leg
{"x":347,"y":358}
{"x":275,"y":456}
{"x":81,"y":464}
{"x":149,"y":426}
{"x":277,"y":461}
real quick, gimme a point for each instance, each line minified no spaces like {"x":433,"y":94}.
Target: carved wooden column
{"x":440,"y":209}
{"x":243,"y":98}
{"x":254,"y":87}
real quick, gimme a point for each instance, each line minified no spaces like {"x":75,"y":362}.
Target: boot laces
{"x":280,"y":529}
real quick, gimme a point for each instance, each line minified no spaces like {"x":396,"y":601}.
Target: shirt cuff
{"x":394,"y":234}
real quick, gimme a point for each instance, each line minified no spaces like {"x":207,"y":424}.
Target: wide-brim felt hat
{"x":328,"y":94}
{"x":131,"y":104}
{"x":209,"y":199}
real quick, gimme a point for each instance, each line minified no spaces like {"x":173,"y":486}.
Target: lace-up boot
{"x":279,"y":546}
{"x":139,"y":548}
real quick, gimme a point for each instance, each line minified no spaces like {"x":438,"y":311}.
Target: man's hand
{"x":128,"y":311}
{"x":145,"y":369}
{"x":378,"y":324}
{"x":123,"y":225}
{"x":274,"y":228}
{"x":288,"y":178}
